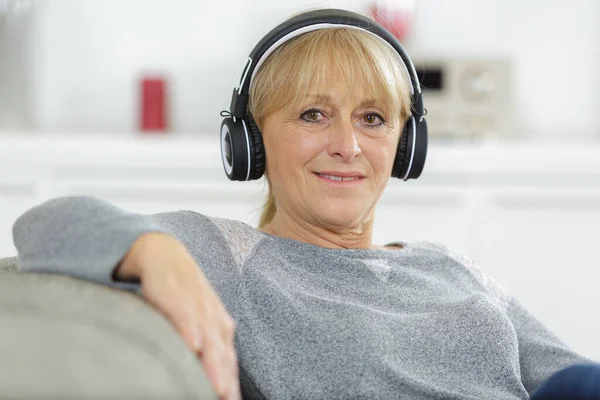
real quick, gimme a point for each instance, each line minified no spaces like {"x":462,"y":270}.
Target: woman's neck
{"x":359,"y":237}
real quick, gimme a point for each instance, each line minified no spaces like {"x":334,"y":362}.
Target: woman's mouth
{"x":340,"y":178}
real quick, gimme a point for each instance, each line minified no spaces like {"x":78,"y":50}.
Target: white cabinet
{"x":529,"y":215}
{"x":19,"y":191}
{"x":154,"y":186}
{"x":543,"y":246}
{"x":15,"y":199}
{"x":216,"y":200}
{"x":409,"y":212}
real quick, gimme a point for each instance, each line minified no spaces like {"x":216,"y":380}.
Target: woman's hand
{"x":173,"y":283}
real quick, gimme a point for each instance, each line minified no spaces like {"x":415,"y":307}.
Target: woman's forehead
{"x":332,"y":87}
{"x":338,"y":80}
{"x":335,"y":96}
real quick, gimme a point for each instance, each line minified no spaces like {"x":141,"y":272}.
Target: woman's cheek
{"x":380,"y":153}
{"x":306,"y":147}
{"x":391,"y":148}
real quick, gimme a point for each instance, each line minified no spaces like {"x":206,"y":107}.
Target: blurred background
{"x":75,"y":66}
{"x":120,"y":99}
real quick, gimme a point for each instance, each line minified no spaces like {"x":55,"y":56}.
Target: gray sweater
{"x":420,"y":322}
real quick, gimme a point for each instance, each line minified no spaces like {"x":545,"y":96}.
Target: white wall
{"x":89,"y":53}
{"x":553,"y":43}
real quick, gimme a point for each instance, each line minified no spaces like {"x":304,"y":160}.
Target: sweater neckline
{"x":365,"y":252}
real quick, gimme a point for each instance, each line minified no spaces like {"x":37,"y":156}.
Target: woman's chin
{"x":340,"y":215}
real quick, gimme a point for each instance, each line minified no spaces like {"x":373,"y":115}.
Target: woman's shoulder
{"x":241,"y":237}
{"x":234,"y":229}
{"x":229,"y":228}
{"x":190,"y":226}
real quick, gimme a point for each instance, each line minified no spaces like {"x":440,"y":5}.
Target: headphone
{"x":242,"y":150}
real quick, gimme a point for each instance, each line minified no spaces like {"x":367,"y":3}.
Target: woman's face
{"x":329,"y":160}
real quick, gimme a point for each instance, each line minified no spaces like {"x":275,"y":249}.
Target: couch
{"x":62,"y":337}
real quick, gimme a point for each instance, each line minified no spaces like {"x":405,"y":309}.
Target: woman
{"x":307,"y":303}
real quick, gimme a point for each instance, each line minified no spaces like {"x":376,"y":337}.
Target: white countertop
{"x":182,"y":150}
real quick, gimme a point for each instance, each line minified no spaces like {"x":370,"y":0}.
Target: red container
{"x":153,"y":116}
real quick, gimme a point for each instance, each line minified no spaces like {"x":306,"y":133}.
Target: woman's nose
{"x":342,"y":141}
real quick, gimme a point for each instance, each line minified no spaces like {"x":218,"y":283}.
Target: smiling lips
{"x":340,"y":177}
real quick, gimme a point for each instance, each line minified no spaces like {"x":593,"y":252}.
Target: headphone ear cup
{"x":234,"y":150}
{"x":398,"y":168}
{"x":421,"y":144}
{"x":412,"y":150}
{"x":257,"y":169}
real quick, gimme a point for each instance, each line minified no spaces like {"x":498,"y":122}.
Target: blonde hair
{"x":304,"y":62}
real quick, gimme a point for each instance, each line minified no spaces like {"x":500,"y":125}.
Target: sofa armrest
{"x":66,"y":338}
{"x":9,"y":264}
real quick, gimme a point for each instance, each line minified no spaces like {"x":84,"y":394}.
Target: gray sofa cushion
{"x":65,"y":338}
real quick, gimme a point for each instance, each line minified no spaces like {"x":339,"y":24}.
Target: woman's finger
{"x":220,"y":364}
{"x":234,"y":389}
{"x":212,"y":359}
{"x":190,"y":331}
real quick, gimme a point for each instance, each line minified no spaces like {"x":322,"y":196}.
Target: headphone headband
{"x":308,"y":22}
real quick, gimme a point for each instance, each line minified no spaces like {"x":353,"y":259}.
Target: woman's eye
{"x":373,"y":119}
{"x":312,"y":115}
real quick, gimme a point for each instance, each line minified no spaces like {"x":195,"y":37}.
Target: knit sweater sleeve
{"x":86,"y":237}
{"x":541,"y":351}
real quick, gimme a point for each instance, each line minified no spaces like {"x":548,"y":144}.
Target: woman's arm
{"x":87,"y":237}
{"x":541,"y":352}
{"x":83,"y":237}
